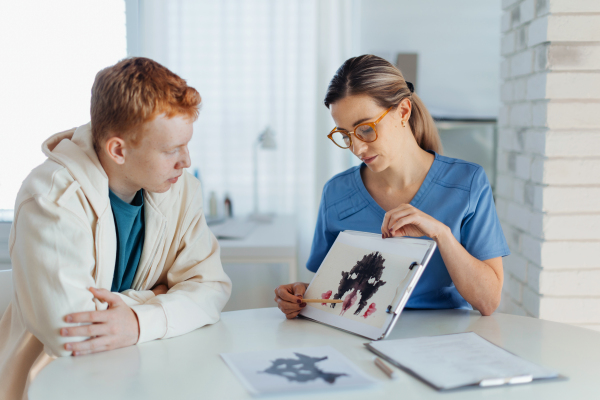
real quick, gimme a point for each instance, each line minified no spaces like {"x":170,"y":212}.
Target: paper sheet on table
{"x":296,"y":370}
{"x":456,"y":360}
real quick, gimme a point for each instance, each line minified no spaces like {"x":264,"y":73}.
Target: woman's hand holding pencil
{"x":289,"y":298}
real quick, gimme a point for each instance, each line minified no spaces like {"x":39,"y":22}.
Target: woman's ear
{"x":404,"y":109}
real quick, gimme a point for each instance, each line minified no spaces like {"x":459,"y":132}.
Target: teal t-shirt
{"x":129,"y":222}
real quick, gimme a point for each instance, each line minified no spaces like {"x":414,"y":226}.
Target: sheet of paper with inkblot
{"x":295,"y":370}
{"x":367,"y":273}
{"x":457,"y":360}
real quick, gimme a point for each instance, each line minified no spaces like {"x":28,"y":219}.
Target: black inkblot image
{"x":365,"y":277}
{"x":302,"y":369}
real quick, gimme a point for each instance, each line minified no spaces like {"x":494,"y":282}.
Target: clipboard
{"x":460,"y":361}
{"x":401,"y":262}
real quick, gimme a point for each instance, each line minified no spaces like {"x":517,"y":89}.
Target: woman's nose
{"x":358,"y":147}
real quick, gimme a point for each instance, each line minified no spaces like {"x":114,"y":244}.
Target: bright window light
{"x":50,"y":53}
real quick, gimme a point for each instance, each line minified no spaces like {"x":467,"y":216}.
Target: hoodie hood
{"x":74,"y":150}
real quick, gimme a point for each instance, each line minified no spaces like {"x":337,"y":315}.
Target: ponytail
{"x":423,"y":127}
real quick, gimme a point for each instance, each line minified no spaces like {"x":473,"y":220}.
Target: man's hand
{"x":160,"y":289}
{"x":110,"y":329}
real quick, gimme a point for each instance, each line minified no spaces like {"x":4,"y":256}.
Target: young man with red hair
{"x":109,"y":244}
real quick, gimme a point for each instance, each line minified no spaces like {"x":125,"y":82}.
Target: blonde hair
{"x":133,"y":92}
{"x":373,"y":76}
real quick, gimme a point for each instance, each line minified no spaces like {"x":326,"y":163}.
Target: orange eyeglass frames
{"x":365,"y":132}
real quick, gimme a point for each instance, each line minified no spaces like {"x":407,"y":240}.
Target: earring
{"x":403,"y":124}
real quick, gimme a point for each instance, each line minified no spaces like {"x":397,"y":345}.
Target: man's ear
{"x":116,"y":149}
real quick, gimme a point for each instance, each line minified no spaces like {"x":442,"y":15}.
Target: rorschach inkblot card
{"x":295,"y":370}
{"x":369,"y":274}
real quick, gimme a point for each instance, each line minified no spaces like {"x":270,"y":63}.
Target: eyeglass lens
{"x":341,"y":139}
{"x":366,"y":133}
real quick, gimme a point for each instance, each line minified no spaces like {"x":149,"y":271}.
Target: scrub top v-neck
{"x":455,"y":192}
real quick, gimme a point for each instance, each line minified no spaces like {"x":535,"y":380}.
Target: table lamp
{"x":266,"y":141}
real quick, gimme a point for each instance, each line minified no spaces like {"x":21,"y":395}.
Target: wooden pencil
{"x":322,"y":301}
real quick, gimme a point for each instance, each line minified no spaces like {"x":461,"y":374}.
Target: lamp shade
{"x":266,"y":140}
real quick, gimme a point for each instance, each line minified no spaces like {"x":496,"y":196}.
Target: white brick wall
{"x":569,"y":255}
{"x":571,"y":144}
{"x":548,"y":184}
{"x":569,"y":6}
{"x":573,"y":85}
{"x":565,"y":283}
{"x":568,"y":171}
{"x":569,"y":57}
{"x":570,"y":199}
{"x":574,"y":310}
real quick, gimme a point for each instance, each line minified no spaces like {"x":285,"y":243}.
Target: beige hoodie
{"x":63,"y":241}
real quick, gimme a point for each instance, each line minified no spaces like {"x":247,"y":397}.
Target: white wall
{"x":458,"y":43}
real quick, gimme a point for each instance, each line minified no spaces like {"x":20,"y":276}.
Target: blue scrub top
{"x":454,"y":192}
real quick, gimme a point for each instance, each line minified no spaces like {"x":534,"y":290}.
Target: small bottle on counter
{"x":228,"y":207}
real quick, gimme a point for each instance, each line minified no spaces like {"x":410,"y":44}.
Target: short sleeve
{"x":323,"y":238}
{"x":481,"y":232}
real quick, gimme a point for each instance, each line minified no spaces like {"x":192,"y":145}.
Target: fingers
{"x":92,"y":345}
{"x":106,"y":296}
{"x":403,"y":221}
{"x":292,"y":315}
{"x":401,"y":217}
{"x":290,"y":310}
{"x":289,"y":298}
{"x":384,"y":225}
{"x":286,"y":293}
{"x":107,"y":329}
{"x":83,"y":353}
{"x":86,"y":330}
{"x":397,"y":215}
{"x":299,"y":288}
{"x":287,"y":307}
{"x":160,"y":289}
{"x":392,"y":216}
{"x":87,"y":316}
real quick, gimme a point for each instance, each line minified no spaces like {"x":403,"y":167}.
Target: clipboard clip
{"x":406,"y":294}
{"x":515,"y":380}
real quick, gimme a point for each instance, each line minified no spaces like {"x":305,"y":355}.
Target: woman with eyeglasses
{"x":405,"y":187}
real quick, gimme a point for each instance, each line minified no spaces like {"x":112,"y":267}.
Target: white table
{"x":269,"y":243}
{"x":189,"y":367}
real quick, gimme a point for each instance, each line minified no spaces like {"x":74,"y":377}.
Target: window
{"x":51,"y":52}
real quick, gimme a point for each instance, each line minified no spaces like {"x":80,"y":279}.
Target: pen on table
{"x":386,"y":370}
{"x":322,"y":301}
